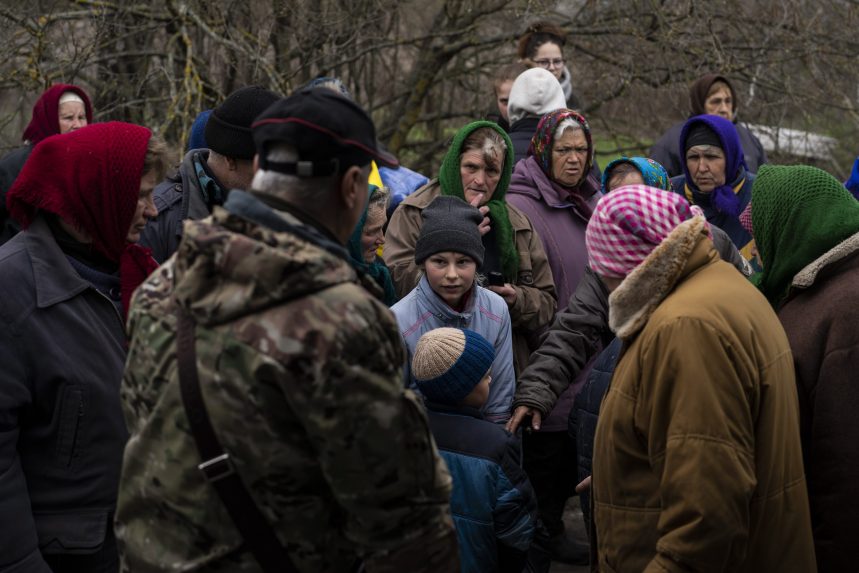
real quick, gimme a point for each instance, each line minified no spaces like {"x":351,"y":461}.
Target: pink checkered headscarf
{"x":629,"y":223}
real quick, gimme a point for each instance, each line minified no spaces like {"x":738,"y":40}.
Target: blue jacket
{"x":585,"y":413}
{"x":493,"y":506}
{"x":486,"y":313}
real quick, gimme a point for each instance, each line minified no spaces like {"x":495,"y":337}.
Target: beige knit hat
{"x":449,"y":362}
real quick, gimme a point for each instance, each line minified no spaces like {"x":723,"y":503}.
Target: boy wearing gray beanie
{"x":493,"y":506}
{"x":449,"y":250}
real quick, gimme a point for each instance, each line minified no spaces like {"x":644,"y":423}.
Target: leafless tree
{"x":423,"y":67}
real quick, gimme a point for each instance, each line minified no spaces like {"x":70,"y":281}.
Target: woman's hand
{"x":506,"y":291}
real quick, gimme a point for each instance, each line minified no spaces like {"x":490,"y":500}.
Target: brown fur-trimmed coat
{"x":697,"y":459}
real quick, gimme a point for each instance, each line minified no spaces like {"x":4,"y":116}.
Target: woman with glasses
{"x":542,"y":45}
{"x":555,"y":188}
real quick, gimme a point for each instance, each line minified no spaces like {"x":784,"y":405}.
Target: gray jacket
{"x":62,"y":434}
{"x":486,"y":313}
{"x":177,"y":198}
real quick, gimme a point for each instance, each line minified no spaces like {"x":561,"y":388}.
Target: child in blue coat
{"x":493,"y":506}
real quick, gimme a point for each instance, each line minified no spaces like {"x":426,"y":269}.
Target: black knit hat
{"x":450,"y":224}
{"x":701,"y":134}
{"x":228,"y":131}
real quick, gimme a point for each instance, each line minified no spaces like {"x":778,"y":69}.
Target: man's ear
{"x":350,"y":187}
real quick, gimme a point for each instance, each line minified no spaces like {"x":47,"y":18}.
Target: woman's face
{"x":624,"y":179}
{"x":372,"y":237}
{"x":450,"y":275}
{"x":569,"y":155}
{"x":706,"y":164}
{"x":72,"y":116}
{"x":550,"y":57}
{"x":145,"y":207}
{"x":720,"y":102}
{"x":479,"y":177}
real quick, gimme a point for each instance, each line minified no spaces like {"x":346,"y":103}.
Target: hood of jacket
{"x":529,"y":180}
{"x":235,"y":263}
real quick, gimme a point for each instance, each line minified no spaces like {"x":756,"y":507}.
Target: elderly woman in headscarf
{"x":711,"y":94}
{"x":715,"y":176}
{"x":477,"y":169}
{"x":806,"y":227}
{"x":61,"y":109}
{"x":703,"y":391}
{"x":368,"y":238}
{"x":65,"y":281}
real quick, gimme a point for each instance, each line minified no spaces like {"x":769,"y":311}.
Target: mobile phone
{"x":496,"y":279}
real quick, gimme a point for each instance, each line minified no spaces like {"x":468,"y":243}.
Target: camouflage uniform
{"x":301,"y":372}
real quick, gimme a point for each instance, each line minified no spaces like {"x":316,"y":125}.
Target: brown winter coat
{"x":822,"y":324}
{"x":535,"y":288}
{"x":697,"y":458}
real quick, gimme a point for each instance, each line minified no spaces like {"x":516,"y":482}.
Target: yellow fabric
{"x":375,"y":177}
{"x":737,"y":188}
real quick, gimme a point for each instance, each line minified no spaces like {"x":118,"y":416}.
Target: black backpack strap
{"x":217,"y":467}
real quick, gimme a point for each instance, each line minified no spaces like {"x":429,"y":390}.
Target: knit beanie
{"x":652,"y":172}
{"x":197,"y":140}
{"x":629,"y":223}
{"x":46,"y":119}
{"x":449,"y":363}
{"x":450,"y":224}
{"x":534,"y":92}
{"x":450,"y":180}
{"x":228,"y":131}
{"x":722,"y":197}
{"x":798,"y":214}
{"x":544,"y":138}
{"x":701,"y":134}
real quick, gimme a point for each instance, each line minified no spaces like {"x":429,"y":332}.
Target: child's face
{"x":477,"y":398}
{"x":450,"y":275}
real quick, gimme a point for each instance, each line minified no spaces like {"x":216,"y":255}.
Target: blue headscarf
{"x":723,"y":198}
{"x":377,"y":268}
{"x":653,"y":173}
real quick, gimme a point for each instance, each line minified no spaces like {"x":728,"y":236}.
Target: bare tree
{"x":423,"y":67}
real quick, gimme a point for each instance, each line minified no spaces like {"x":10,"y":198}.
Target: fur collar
{"x":632,"y":303}
{"x":806,"y":277}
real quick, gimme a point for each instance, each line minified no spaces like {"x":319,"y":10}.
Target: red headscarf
{"x":90,"y":177}
{"x":46,"y":113}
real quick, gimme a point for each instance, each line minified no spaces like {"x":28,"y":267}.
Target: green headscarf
{"x":798,"y":214}
{"x":451,"y":184}
{"x":376,"y":269}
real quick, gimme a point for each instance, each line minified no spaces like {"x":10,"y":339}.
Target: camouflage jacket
{"x":301,"y":372}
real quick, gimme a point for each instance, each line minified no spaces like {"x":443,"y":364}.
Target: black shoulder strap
{"x":217,"y":467}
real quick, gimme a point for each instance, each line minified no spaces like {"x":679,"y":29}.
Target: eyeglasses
{"x":547,"y":63}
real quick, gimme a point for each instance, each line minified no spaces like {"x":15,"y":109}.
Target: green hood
{"x":451,"y":184}
{"x":798,"y":214}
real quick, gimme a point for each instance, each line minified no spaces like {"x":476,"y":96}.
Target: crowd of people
{"x":292,"y":353}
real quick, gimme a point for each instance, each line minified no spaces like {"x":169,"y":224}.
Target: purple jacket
{"x":561,"y":228}
{"x":559,"y":224}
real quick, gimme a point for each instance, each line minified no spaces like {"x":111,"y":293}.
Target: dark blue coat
{"x":585,"y":412}
{"x":493,"y":506}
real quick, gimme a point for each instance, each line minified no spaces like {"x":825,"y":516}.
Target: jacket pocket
{"x":71,"y":533}
{"x":72,"y":408}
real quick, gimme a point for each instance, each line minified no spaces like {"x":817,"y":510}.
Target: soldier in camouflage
{"x":300,"y":369}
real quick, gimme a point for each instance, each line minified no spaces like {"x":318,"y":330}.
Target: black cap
{"x":330,"y":133}
{"x":228,"y":130}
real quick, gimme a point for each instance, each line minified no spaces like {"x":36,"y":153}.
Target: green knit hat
{"x":798,"y":214}
{"x":451,"y":184}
